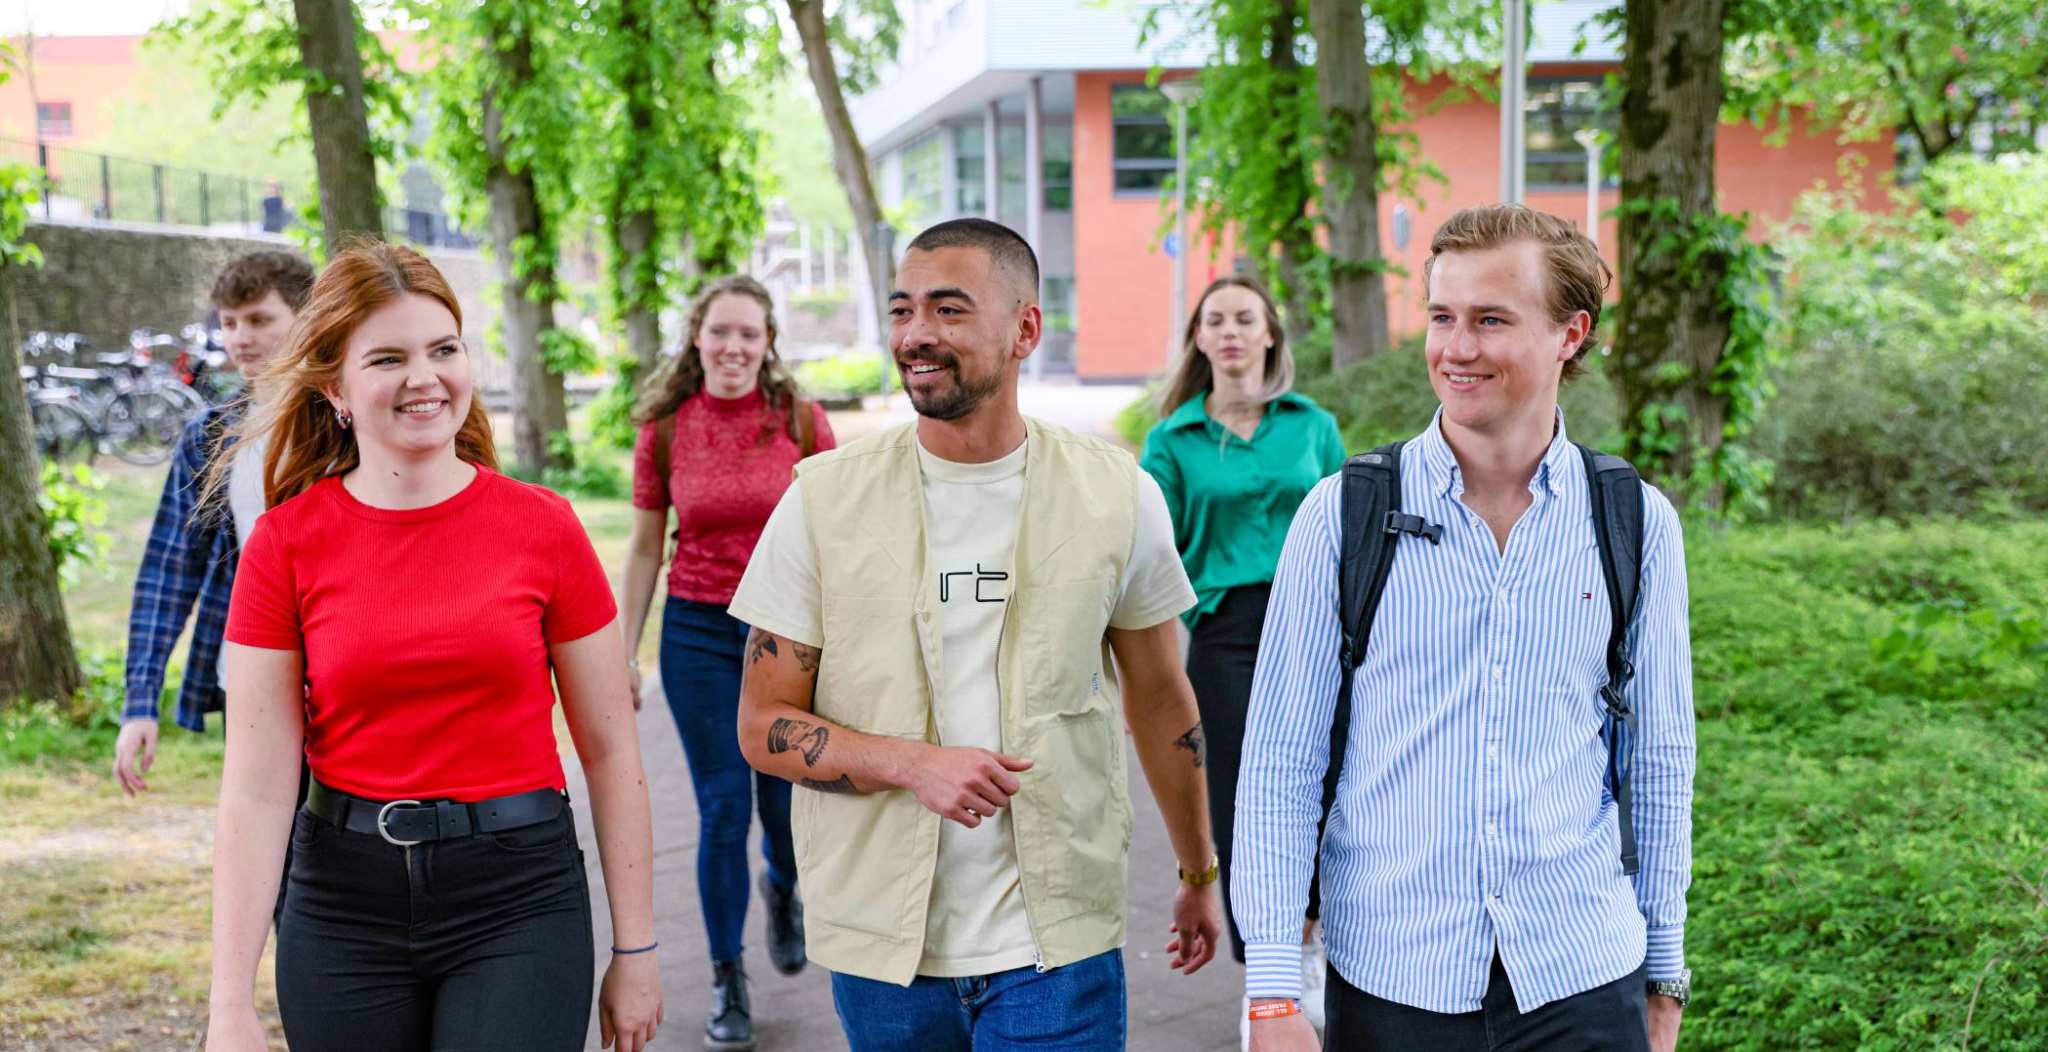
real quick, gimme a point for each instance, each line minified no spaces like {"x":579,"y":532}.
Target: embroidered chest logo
{"x":987,"y":584}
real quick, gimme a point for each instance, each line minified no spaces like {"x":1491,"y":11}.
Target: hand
{"x":1289,"y":1033}
{"x":961,"y":783}
{"x":134,"y":753}
{"x":629,"y":1007}
{"x":235,"y":1029}
{"x":1197,"y":927}
{"x":633,"y":674}
{"x":1664,"y":1013}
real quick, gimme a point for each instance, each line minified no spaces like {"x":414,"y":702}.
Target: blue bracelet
{"x":643,"y":949}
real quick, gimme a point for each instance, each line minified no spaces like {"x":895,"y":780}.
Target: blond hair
{"x":1579,"y":278}
{"x":1194,"y":378}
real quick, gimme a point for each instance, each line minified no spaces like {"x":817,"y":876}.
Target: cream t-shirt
{"x":245,"y":504}
{"x":977,"y":924}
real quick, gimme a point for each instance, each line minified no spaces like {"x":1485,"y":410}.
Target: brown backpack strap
{"x":800,"y":415}
{"x":664,"y":437}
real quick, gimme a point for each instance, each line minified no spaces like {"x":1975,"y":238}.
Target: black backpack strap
{"x":1371,"y":493}
{"x":1617,"y":497}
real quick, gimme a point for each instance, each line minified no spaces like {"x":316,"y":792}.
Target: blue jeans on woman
{"x":701,"y":650}
{"x":1078,"y":1007}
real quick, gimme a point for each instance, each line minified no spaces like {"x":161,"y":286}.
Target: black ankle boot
{"x":785,"y":927}
{"x":730,"y":1027}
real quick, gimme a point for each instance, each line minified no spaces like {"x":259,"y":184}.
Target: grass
{"x":106,"y":909}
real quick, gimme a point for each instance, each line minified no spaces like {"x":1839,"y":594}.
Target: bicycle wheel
{"x":141,"y":426}
{"x":63,"y":433}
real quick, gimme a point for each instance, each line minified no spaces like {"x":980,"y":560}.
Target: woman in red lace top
{"x":721,"y":426}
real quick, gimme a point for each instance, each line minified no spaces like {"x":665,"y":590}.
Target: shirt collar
{"x":1192,"y":414}
{"x":1441,"y":465}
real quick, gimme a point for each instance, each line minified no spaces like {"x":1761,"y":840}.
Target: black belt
{"x":405,"y":822}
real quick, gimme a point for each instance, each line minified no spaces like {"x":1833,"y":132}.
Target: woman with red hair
{"x":402,"y":616}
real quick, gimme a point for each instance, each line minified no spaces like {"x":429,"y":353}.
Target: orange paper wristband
{"x":1275,"y":1011}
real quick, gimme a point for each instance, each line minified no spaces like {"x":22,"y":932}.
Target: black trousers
{"x":479,"y":942}
{"x":1610,"y":1018}
{"x":1222,"y":652}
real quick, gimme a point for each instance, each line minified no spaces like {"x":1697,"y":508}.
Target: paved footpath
{"x":1169,"y":1012}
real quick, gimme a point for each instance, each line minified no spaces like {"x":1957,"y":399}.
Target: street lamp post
{"x":1513,"y":99}
{"x":1182,"y":93}
{"x":1590,"y":139}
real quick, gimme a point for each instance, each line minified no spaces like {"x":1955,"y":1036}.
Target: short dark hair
{"x":247,"y":277}
{"x":1005,"y":247}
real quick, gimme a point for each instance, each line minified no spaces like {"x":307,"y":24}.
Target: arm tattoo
{"x":1193,"y":742}
{"x":759,"y":643}
{"x":786,"y":734}
{"x":806,"y":657}
{"x":841,"y":784}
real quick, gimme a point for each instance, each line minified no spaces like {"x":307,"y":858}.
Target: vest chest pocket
{"x":1060,"y":666}
{"x":870,"y":677}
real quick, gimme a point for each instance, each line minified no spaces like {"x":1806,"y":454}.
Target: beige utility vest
{"x":867,"y":861}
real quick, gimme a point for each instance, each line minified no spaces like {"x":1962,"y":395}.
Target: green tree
{"x":503,"y":85}
{"x":1291,"y":157}
{"x":177,"y":117}
{"x":1933,"y":70}
{"x":36,"y":656}
{"x":348,"y":81}
{"x":841,"y":50}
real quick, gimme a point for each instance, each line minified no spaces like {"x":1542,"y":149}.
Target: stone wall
{"x":105,"y":280}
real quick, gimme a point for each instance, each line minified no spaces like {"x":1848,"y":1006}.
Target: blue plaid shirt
{"x":191,"y":557}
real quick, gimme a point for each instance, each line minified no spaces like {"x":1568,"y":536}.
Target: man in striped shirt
{"x":1473,"y":895}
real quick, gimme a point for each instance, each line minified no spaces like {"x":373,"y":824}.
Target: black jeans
{"x":1222,"y":652}
{"x":1610,"y":1018}
{"x":479,"y":942}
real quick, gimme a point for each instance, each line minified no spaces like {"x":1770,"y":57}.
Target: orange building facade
{"x":979,"y":76}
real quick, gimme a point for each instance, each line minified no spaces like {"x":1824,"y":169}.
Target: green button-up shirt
{"x":1232,"y":499}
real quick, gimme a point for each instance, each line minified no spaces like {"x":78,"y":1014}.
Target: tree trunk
{"x":1671,"y":313}
{"x":1351,"y":182}
{"x":1297,"y":297}
{"x":340,"y":122}
{"x":36,"y":657}
{"x":849,"y":159}
{"x":539,"y":407}
{"x":636,"y":271}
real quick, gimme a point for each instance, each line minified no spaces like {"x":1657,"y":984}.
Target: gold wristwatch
{"x":1205,"y":877}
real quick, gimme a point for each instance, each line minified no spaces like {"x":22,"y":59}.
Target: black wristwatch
{"x":1679,"y":989}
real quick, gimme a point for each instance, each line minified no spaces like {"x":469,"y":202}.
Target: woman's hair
{"x":305,"y":442}
{"x":1193,"y":378}
{"x":675,"y":380}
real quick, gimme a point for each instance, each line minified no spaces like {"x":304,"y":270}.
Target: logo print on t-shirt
{"x":980,"y":576}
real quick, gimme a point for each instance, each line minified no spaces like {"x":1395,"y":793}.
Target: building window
{"x":1143,"y":135}
{"x":1556,"y":111}
{"x":53,"y":120}
{"x":1056,"y":303}
{"x":1059,"y":167}
{"x":970,"y":192}
{"x":924,"y":171}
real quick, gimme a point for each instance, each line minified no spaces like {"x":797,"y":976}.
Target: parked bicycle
{"x":135,"y":406}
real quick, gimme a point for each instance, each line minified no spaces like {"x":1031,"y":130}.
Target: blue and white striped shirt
{"x":1472,"y":814}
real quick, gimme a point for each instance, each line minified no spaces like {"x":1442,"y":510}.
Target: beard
{"x":957,"y":399}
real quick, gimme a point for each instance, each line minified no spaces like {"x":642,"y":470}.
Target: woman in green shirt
{"x":1235,"y":452}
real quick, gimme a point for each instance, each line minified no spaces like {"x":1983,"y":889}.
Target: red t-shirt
{"x":425,"y":632}
{"x":728,"y":467}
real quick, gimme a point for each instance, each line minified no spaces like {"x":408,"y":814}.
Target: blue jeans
{"x":701,"y":648}
{"x":1080,"y":1006}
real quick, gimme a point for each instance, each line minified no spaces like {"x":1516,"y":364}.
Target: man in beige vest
{"x":934,"y":611}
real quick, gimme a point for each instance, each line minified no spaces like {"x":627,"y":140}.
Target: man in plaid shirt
{"x":192,"y":551}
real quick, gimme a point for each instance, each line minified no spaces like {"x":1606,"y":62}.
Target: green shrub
{"x":1870,"y":860}
{"x":1136,"y":420}
{"x":1916,"y":359}
{"x":858,"y":373}
{"x":75,"y":514}
{"x":81,"y":730}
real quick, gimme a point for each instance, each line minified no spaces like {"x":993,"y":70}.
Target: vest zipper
{"x":1003,"y":721}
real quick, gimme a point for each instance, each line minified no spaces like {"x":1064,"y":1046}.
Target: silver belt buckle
{"x":384,"y":813}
